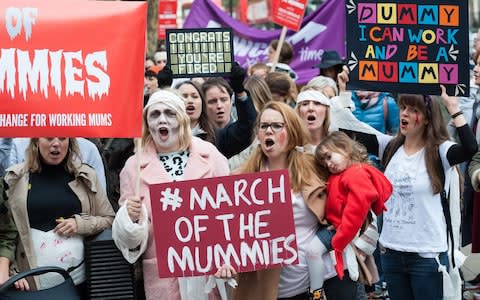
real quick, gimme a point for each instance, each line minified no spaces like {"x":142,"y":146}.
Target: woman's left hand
{"x":450,"y":102}
{"x":67,"y":227}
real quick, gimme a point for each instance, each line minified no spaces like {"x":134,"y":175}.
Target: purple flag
{"x":322,"y":30}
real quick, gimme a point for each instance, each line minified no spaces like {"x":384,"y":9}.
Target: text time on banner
{"x":200,"y":52}
{"x":410,"y":46}
{"x":242,"y":220}
{"x":68,"y":74}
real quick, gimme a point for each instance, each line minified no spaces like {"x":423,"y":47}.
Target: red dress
{"x":350,"y":195}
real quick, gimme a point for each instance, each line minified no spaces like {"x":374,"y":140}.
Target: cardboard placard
{"x":408,"y":47}
{"x":242,"y":220}
{"x":57,"y":78}
{"x":288,"y":13}
{"x":203,"y":52}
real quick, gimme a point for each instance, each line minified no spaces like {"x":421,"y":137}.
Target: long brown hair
{"x":434,"y":134}
{"x":33,"y":158}
{"x":301,"y":165}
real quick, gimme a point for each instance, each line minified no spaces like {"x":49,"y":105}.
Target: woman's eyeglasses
{"x":275,"y":126}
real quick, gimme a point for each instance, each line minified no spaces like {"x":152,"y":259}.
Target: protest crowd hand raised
{"x":165,"y":77}
{"x":342,"y":79}
{"x":453,"y":106}
{"x":237,"y":77}
{"x":134,"y":208}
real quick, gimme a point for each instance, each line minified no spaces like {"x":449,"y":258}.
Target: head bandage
{"x":311,"y":95}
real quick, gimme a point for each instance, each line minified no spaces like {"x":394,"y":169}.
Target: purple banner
{"x":322,"y":30}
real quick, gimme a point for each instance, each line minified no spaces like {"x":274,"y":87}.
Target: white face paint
{"x":163,"y":126}
{"x":336,"y":162}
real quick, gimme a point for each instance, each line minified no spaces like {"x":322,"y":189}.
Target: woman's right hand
{"x":134,"y":208}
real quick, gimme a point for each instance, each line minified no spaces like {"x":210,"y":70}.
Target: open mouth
{"x":190,"y":109}
{"x":163,"y":132}
{"x":403,"y":123}
{"x":311,"y":118}
{"x":269,"y":143}
{"x":54,"y":153}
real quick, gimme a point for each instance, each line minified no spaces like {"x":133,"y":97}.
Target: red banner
{"x":71,"y":68}
{"x":288,"y":13}
{"x":167,"y":16}
{"x":243,"y":220}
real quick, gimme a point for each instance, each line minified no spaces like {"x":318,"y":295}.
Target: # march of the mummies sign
{"x":408,"y":46}
{"x":242,"y":220}
{"x":66,"y":74}
{"x":200,"y":52}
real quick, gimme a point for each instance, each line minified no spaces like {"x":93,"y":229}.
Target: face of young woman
{"x":151,"y":84}
{"x":336,"y":162}
{"x":412,"y":121}
{"x":313,"y":114}
{"x":53,"y":150}
{"x":193,"y":102}
{"x":272,"y":134}
{"x":219,"y":106}
{"x":476,"y":71}
{"x":163,"y":126}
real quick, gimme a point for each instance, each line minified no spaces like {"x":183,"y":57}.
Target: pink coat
{"x":204,"y":161}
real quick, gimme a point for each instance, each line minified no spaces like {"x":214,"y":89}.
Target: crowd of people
{"x":363,"y":166}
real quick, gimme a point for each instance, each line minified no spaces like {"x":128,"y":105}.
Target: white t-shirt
{"x":294,"y":279}
{"x":414,"y":220}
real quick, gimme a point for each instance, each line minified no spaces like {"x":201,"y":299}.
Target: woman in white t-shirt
{"x":414,"y":230}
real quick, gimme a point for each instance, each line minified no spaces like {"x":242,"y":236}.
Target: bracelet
{"x":456,"y":114}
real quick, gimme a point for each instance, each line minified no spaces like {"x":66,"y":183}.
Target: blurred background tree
{"x":152,"y":27}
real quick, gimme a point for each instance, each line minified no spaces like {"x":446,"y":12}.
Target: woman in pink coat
{"x":170,"y":153}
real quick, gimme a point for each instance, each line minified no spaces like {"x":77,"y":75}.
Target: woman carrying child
{"x":354,"y":188}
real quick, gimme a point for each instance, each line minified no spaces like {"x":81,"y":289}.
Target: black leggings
{"x":335,"y":289}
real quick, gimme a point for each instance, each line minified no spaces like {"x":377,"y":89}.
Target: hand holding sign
{"x":342,"y":79}
{"x":134,"y":208}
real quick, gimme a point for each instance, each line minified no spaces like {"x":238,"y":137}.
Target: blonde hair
{"x":300,"y":165}
{"x":184,"y":131}
{"x":33,"y":158}
{"x":259,"y":91}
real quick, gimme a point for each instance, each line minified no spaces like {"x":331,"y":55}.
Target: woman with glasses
{"x":282,"y":136}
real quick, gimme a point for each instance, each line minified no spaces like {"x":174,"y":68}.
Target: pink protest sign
{"x":242,"y":220}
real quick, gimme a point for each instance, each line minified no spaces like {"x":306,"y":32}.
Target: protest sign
{"x":71,"y":68}
{"x":323,"y":29}
{"x":200,"y":52}
{"x":288,"y":13}
{"x":167,"y":16}
{"x":243,"y":220}
{"x":409,"y":46}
